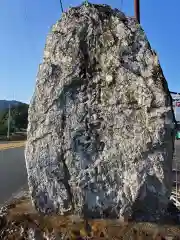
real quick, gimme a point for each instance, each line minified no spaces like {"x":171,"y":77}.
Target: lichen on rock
{"x":101,"y":133}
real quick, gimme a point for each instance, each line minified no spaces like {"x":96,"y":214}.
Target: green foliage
{"x":86,"y":3}
{"x":3,"y":129}
{"x":18,"y":120}
{"x":20,"y":116}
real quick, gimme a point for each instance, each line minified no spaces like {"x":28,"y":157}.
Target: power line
{"x":137,"y":10}
{"x":61,"y":5}
{"x":121,"y":4}
{"x":9,"y":122}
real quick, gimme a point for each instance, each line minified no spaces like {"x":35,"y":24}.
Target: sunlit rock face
{"x":100,"y":135}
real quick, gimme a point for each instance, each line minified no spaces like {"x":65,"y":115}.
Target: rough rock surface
{"x":101,"y":134}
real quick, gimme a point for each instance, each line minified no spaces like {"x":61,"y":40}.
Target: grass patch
{"x":9,"y":145}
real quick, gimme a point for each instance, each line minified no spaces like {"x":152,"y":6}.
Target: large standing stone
{"x":100,"y":134}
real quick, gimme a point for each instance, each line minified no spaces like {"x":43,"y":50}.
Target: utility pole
{"x":137,"y":10}
{"x":177,"y":165}
{"x":9,"y":122}
{"x":61,"y":5}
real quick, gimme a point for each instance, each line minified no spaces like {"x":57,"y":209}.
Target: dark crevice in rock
{"x":41,"y":137}
{"x":70,"y":90}
{"x":50,"y":106}
{"x":66,"y":179}
{"x":83,"y":47}
{"x":61,"y":158}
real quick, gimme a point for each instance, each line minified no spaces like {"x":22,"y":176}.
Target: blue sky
{"x":24,"y":26}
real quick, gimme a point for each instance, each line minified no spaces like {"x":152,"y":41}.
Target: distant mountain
{"x":5,"y":103}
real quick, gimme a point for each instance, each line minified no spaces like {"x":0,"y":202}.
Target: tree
{"x":19,"y":118}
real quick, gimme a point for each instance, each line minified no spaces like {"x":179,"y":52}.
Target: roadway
{"x":13,"y":175}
